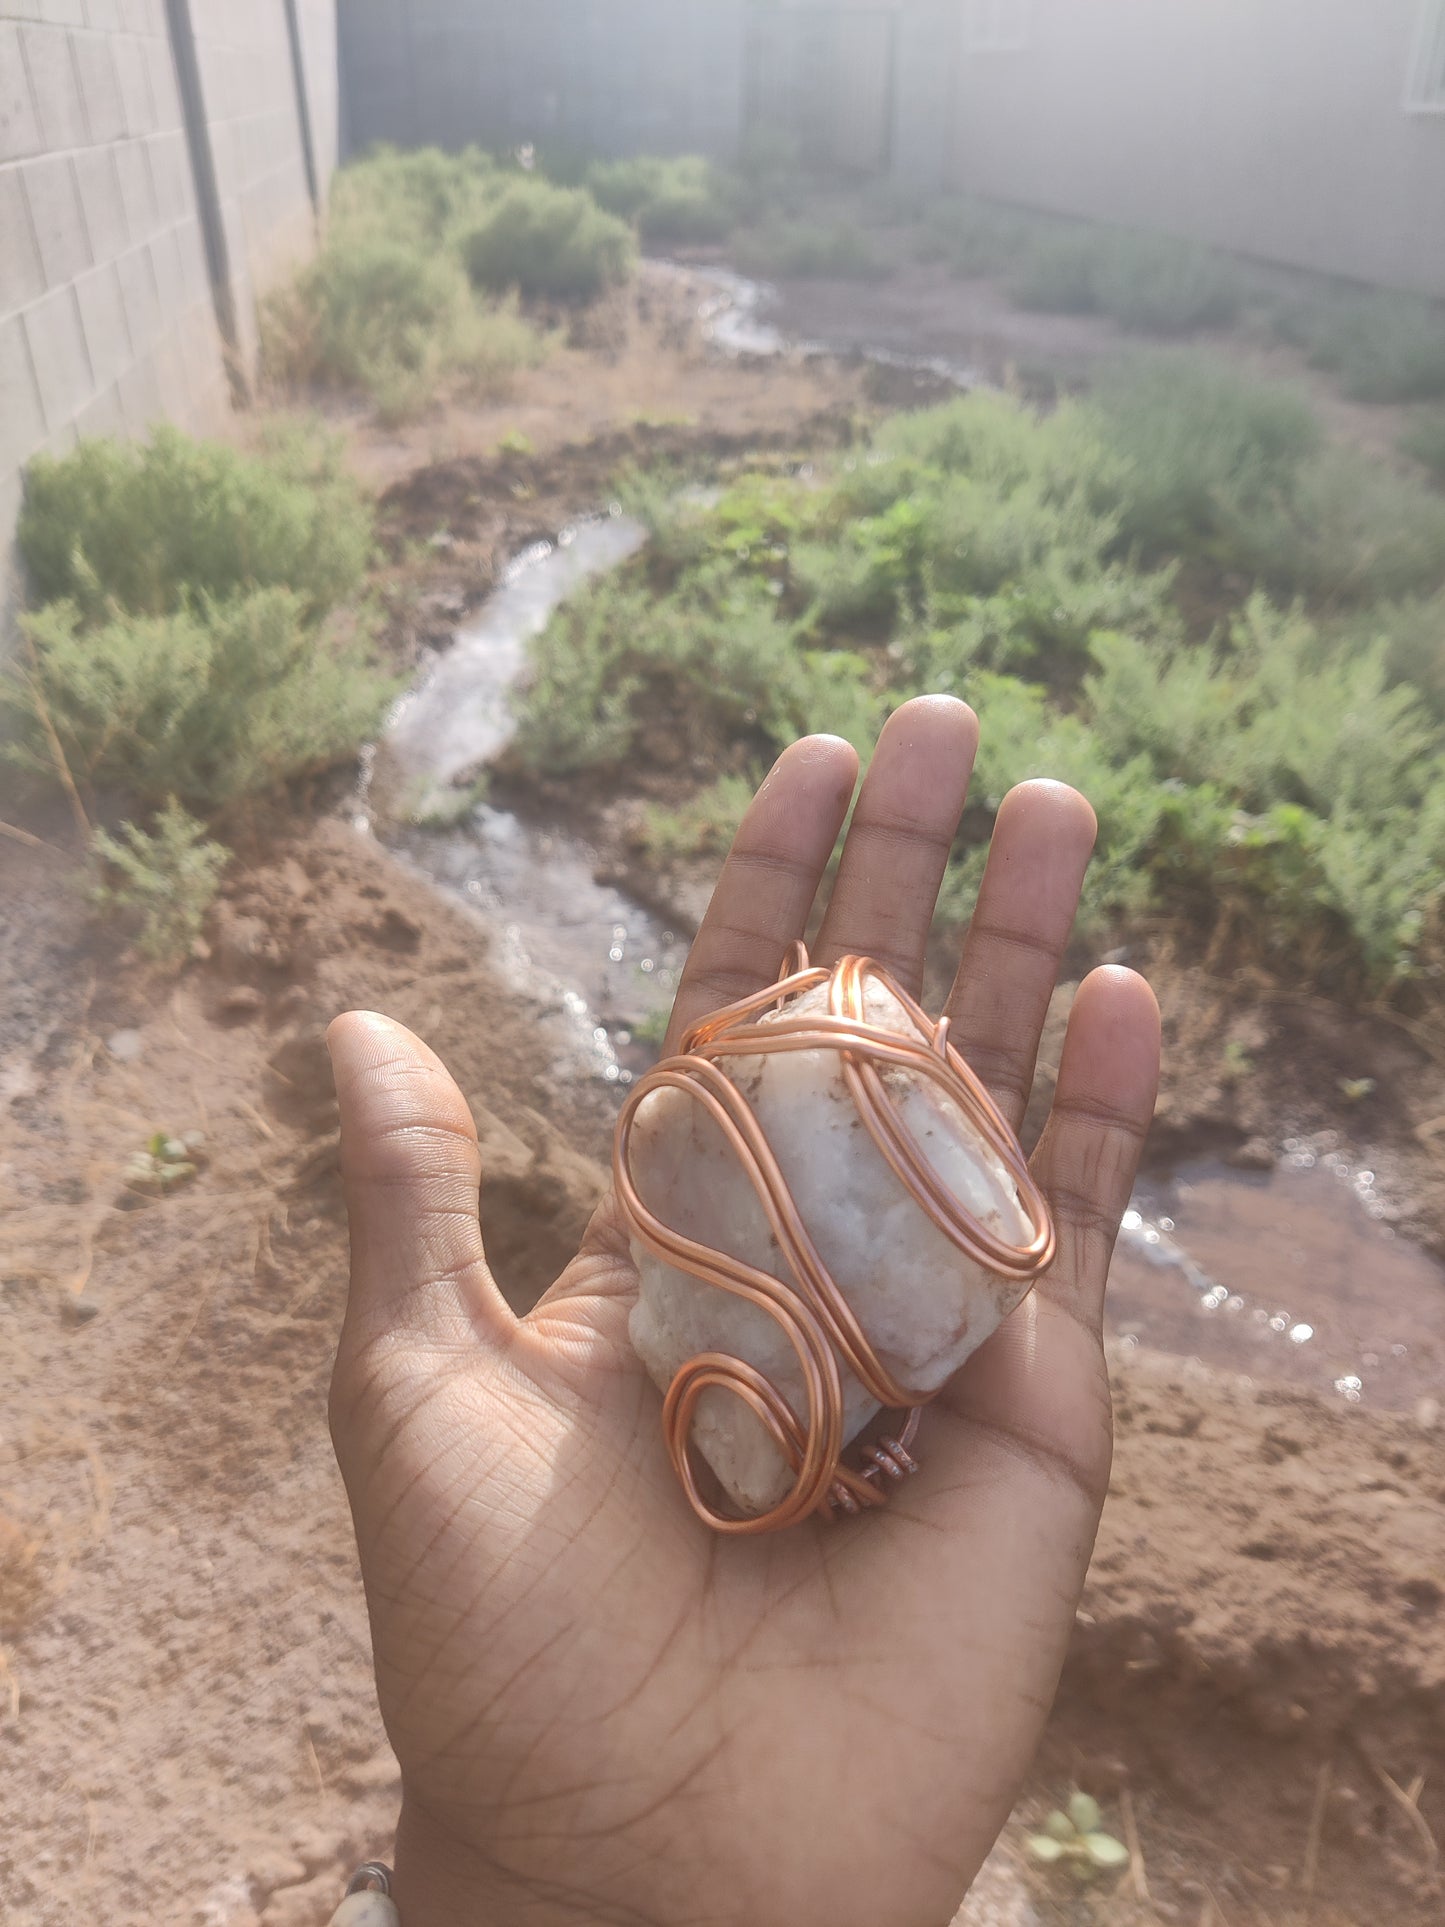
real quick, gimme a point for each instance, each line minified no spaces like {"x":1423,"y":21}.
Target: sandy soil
{"x":1257,"y":1686}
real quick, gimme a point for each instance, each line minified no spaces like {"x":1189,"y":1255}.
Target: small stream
{"x":1292,"y":1274}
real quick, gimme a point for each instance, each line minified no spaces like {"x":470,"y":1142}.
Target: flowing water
{"x":599,"y":966}
{"x":1292,"y":1274}
{"x":735,"y":320}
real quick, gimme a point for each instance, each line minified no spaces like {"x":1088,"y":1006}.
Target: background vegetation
{"x":189,"y":646}
{"x":1176,"y":594}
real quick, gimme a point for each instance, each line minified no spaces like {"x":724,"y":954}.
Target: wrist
{"x":442,"y":1881}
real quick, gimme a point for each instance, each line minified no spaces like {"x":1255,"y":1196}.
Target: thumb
{"x":412,"y":1173}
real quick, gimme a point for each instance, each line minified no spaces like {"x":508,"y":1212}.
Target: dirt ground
{"x":1256,"y":1691}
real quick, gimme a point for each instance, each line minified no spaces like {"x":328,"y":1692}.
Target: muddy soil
{"x":1256,"y":1690}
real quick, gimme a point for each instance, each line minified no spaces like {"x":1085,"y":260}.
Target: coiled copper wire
{"x":819,"y":1323}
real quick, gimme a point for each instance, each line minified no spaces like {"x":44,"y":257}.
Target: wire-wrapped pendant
{"x":828,"y":1215}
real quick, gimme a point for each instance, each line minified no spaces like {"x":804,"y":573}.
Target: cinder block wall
{"x":107,"y":316}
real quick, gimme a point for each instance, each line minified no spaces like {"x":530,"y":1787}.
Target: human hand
{"x":602,"y":1711}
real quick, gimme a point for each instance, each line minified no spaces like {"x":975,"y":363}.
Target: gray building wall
{"x":1273,"y":127}
{"x":107,"y":320}
{"x":591,"y":76}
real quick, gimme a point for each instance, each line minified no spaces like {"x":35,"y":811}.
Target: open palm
{"x":602,"y":1711}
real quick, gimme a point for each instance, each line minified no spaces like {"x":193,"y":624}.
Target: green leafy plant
{"x":1383,"y":346}
{"x":217,"y":701}
{"x":809,"y":249}
{"x":384,"y":315}
{"x":1424,"y":440}
{"x":1075,"y":1839}
{"x":164,"y":1163}
{"x":1159,"y":285}
{"x":548,"y":241}
{"x":386,"y":308}
{"x":145,"y":525}
{"x":162,"y":880}
{"x":678,"y":201}
{"x":1058,"y":273}
{"x":973,"y":237}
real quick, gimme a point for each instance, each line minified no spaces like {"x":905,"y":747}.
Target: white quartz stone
{"x":922,"y":1303}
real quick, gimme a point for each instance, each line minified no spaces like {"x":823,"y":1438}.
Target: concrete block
{"x":102,"y":416}
{"x":54,"y":13}
{"x":161,"y":67}
{"x":171,"y":177}
{"x":132,"y":72}
{"x":169,"y":271}
{"x":205,"y":369}
{"x":104,"y":16}
{"x":55,"y":209}
{"x":103,"y":320}
{"x":196,"y":289}
{"x":101,"y":200}
{"x":19,"y":123}
{"x":142,"y":303}
{"x":54,"y":84}
{"x":22,"y":278}
{"x":22,"y":421}
{"x":58,"y":355}
{"x":141,"y":400}
{"x":137,"y":190}
{"x":99,"y":85}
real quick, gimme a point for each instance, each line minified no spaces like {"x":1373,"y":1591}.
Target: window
{"x":1425,"y":93}
{"x":997,"y":26}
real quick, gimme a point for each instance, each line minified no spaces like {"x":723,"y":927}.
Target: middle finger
{"x":900,"y":838}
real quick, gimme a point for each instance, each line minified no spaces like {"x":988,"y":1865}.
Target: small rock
{"x":243,"y":1001}
{"x":1255,"y":1154}
{"x":79,"y":1310}
{"x":127,"y":1045}
{"x":1427,"y":1414}
{"x":1119,"y":956}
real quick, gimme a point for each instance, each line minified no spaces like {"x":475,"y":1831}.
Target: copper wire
{"x":819,"y":1323}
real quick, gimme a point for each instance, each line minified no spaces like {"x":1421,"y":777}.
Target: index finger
{"x":769,"y":880}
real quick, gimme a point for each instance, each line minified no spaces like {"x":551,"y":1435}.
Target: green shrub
{"x":1202,"y":451}
{"x":704,"y":825}
{"x":422,"y":196}
{"x":144,"y":526}
{"x":974,"y":237}
{"x":386,"y":307}
{"x":162,"y":881}
{"x":620,"y":676}
{"x":679,"y":202}
{"x":1385,"y":347}
{"x":212,"y":702}
{"x":1424,"y":440}
{"x":394,"y":320}
{"x":1059,"y":271}
{"x":383,"y":317}
{"x":548,"y":241}
{"x":1158,"y":285}
{"x":835,"y":250}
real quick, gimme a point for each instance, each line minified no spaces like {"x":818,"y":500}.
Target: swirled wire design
{"x":816,"y":1317}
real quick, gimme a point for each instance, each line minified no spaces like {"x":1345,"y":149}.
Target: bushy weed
{"x":1278,"y":769}
{"x":809,"y":249}
{"x":1383,"y":346}
{"x":548,"y":241}
{"x":183,"y":644}
{"x":681,"y":201}
{"x":217,"y":700}
{"x":143,"y":524}
{"x":1424,"y":441}
{"x":161,"y":881}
